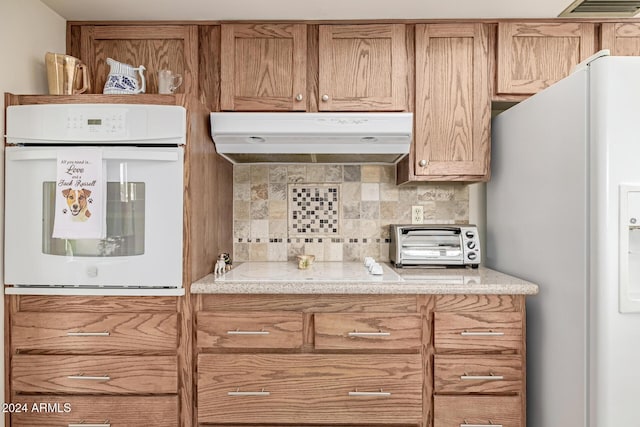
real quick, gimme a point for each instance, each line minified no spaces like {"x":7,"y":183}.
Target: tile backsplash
{"x":335,"y":212}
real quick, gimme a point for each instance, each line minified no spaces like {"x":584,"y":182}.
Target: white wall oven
{"x":94,"y":197}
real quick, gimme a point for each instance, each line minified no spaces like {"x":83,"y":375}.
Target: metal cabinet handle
{"x":299,"y":97}
{"x":248,"y":393}
{"x":423,"y":163}
{"x":481,"y":334}
{"x":82,"y":424}
{"x":88,"y":377}
{"x":239,"y":332}
{"x":465,"y":424}
{"x":88,"y":334}
{"x":490,"y":377}
{"x":380,"y":393}
{"x":369,"y":334}
{"x":325,"y":98}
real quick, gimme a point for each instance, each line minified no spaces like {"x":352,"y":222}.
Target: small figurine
{"x":221,"y":265}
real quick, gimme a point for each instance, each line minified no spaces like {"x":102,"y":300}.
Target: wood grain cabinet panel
{"x":458,"y":411}
{"x":114,"y":411}
{"x":478,"y":374}
{"x":263,"y":67}
{"x":309,"y":388}
{"x":94,"y":333}
{"x":363,"y":68}
{"x":94,"y":374}
{"x":478,"y":332}
{"x":249,"y":330}
{"x":621,"y":38}
{"x":157,"y":47}
{"x":367,"y":331}
{"x":453,"y":107}
{"x":533,"y":56}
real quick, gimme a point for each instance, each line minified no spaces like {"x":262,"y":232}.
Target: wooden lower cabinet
{"x":310,"y":388}
{"x":479,"y":361}
{"x":99,"y":361}
{"x":360,"y":360}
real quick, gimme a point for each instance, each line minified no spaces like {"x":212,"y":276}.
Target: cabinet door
{"x":112,"y":411}
{"x":254,"y":330}
{"x":362,"y":68}
{"x":453,"y":107}
{"x":94,"y":333}
{"x":157,"y":47}
{"x":94,"y":374}
{"x":310,"y":388}
{"x":623,"y":39}
{"x":479,"y":411}
{"x":263,"y":67}
{"x":533,"y":56}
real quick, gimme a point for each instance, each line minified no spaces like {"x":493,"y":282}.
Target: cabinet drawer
{"x":477,"y":411}
{"x":478,"y":374}
{"x":475,"y":332}
{"x":112,"y":411}
{"x":367,"y":331}
{"x":92,"y":333}
{"x":94,"y":374}
{"x":310,"y":388}
{"x":249,"y":330}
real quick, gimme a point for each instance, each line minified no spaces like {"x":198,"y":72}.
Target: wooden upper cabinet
{"x":453,"y":106}
{"x":623,"y":39}
{"x":157,"y":47}
{"x":362,"y":68}
{"x":263,"y":67}
{"x":533,"y":56}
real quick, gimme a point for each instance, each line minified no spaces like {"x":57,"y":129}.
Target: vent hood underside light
{"x":601,"y":9}
{"x":312,"y":137}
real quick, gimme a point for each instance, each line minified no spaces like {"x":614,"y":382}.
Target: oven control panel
{"x":117,"y":124}
{"x":112,"y":123}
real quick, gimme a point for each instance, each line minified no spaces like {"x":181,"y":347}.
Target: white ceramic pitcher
{"x":122,"y":79}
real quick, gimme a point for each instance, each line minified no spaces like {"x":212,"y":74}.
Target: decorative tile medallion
{"x":314,"y":209}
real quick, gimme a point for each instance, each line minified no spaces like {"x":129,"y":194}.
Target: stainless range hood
{"x":312,"y":137}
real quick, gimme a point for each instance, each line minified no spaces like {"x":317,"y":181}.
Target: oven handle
{"x":142,"y":154}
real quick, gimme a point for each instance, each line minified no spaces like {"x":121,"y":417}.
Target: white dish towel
{"x":80,"y":195}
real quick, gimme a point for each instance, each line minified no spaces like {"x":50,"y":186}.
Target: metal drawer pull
{"x":465,"y":424}
{"x":489,"y":333}
{"x":82,"y":424}
{"x":88,"y":334}
{"x":370,"y":393}
{"x":248,"y":393}
{"x":89,"y":378}
{"x":369,"y":334}
{"x":490,"y":377}
{"x":239,"y":332}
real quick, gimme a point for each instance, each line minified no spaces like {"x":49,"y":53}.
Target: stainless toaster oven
{"x":434,"y":245}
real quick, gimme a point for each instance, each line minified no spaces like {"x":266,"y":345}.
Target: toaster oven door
{"x":431,"y":247}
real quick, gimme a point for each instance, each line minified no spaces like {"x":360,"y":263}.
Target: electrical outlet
{"x":417,"y":214}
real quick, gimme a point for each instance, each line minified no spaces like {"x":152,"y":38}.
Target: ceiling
{"x":221,"y":10}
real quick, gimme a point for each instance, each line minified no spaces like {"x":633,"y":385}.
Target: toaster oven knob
{"x":472,"y":256}
{"x":471,"y":244}
{"x":469,"y":234}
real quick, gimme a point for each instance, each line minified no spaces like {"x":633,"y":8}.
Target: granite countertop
{"x":353,"y":278}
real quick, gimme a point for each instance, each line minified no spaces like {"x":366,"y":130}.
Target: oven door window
{"x":125,"y":224}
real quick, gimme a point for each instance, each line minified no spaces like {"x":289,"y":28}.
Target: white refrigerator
{"x":563,"y":211}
